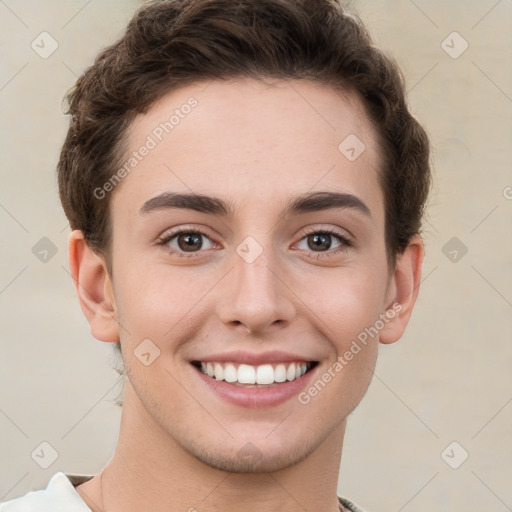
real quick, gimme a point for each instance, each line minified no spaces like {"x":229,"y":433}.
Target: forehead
{"x":252,"y":141}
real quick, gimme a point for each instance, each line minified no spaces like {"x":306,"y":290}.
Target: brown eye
{"x":320,"y":241}
{"x":186,"y":242}
{"x":189,"y":242}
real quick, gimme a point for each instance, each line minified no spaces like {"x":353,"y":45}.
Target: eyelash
{"x":345,"y":242}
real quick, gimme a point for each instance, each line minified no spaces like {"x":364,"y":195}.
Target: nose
{"x":256,"y":296}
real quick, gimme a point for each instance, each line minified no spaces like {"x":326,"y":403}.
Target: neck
{"x":149,"y":466}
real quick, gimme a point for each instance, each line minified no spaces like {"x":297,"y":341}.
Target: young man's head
{"x":246,"y":185}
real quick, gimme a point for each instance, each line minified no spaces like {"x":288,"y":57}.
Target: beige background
{"x":449,"y":377}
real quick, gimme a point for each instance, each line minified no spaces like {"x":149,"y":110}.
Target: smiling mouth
{"x":247,"y":375}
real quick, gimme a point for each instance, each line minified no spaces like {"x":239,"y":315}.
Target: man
{"x":245,"y":186}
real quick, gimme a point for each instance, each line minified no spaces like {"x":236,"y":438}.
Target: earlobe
{"x":404,"y":289}
{"x":94,"y":288}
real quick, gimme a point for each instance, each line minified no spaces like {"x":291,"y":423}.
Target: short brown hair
{"x":171,"y":43}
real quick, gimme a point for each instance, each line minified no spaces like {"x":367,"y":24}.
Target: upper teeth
{"x":248,"y":374}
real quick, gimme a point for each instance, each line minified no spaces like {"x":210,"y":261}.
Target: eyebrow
{"x":308,"y":202}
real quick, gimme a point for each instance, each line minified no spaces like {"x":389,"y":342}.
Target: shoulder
{"x":59,"y":496}
{"x":347,"y":504}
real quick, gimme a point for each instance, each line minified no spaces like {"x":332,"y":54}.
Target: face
{"x":276,"y":269}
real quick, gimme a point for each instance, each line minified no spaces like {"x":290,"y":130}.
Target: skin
{"x":256,"y":146}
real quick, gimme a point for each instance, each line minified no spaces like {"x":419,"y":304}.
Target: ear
{"x":402,"y":291}
{"x":93,"y":287}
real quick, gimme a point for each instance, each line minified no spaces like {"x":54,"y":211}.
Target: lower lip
{"x":256,"y":397}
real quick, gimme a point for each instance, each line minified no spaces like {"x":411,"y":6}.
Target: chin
{"x":261,"y":456}
{"x":252,"y":461}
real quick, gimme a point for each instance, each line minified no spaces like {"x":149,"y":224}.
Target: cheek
{"x":162,"y":305}
{"x":346,"y":304}
{"x":347,"y":315}
{"x":352,"y":311}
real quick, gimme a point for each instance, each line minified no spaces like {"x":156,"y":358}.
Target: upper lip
{"x":253,"y":358}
